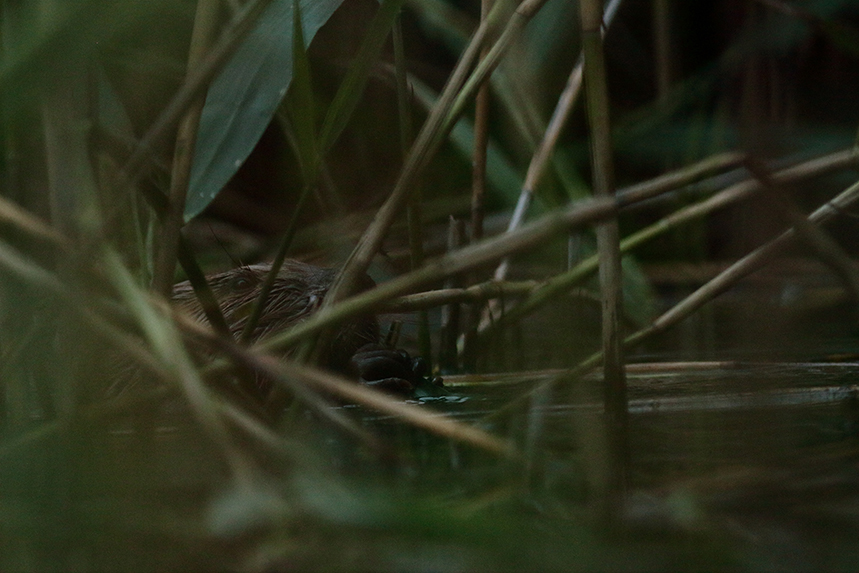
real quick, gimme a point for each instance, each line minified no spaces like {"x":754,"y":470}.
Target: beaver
{"x":355,"y":350}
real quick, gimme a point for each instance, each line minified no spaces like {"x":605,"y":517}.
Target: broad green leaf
{"x":243,"y":98}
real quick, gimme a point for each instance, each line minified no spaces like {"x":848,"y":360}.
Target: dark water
{"x":751,"y":463}
{"x":743,"y":455}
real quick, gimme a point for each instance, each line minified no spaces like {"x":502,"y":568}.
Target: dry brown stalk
{"x":640,"y":192}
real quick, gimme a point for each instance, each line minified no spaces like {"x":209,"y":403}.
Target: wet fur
{"x":298,"y":292}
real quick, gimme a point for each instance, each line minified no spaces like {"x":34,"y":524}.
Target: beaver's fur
{"x":297,"y":292}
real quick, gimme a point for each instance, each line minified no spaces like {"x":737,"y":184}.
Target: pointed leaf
{"x":300,"y":104}
{"x":243,"y":98}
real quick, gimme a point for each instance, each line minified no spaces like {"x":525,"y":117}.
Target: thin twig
{"x":450,"y":105}
{"x":641,"y":192}
{"x":546,"y":147}
{"x":478,"y":208}
{"x":744,"y":267}
{"x":292,"y":375}
{"x":481,"y":141}
{"x":414,"y":209}
{"x":488,"y":250}
{"x":473,"y":294}
{"x":12,"y":214}
{"x":723,"y":281}
{"x":829,"y":252}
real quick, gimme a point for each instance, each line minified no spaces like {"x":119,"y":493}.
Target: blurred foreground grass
{"x":114,"y":137}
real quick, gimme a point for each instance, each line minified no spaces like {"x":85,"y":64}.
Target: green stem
{"x":614,"y":378}
{"x":286,"y":242}
{"x":205,"y":23}
{"x":414,"y":212}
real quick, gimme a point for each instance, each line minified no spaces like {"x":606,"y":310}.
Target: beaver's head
{"x":297,"y":292}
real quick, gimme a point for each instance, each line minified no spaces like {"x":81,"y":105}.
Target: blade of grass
{"x":205,"y":24}
{"x":347,"y":96}
{"x":723,"y":281}
{"x":415,"y":212}
{"x":546,"y":147}
{"x":167,"y":346}
{"x":501,"y":175}
{"x":276,"y":264}
{"x":13,"y":214}
{"x":301,"y":110}
{"x":439,"y":123}
{"x":640,"y":192}
{"x":488,"y":250}
{"x":201,"y":287}
{"x":292,"y":375}
{"x":817,"y":239}
{"x":300,"y":103}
